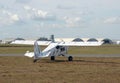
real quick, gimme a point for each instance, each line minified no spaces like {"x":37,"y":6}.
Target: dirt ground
{"x":20,"y":69}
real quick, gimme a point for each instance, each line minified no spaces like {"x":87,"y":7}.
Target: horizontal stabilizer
{"x":29,"y":54}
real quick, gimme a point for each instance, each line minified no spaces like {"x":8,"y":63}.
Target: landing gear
{"x":35,"y":60}
{"x":52,"y":58}
{"x":70,"y":58}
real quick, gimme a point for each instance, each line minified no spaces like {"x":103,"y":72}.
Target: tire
{"x":52,"y":58}
{"x":70,"y":58}
{"x":35,"y":60}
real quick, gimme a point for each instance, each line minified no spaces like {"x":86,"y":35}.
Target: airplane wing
{"x":45,"y":53}
{"x":60,"y":43}
{"x":51,"y":46}
{"x":80,"y":43}
{"x":30,"y":42}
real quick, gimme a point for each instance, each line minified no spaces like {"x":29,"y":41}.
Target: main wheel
{"x":52,"y":58}
{"x":70,"y":58}
{"x":35,"y":60}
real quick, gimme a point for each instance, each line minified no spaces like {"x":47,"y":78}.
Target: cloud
{"x":8,"y":18}
{"x":5,"y":12}
{"x":26,"y":7}
{"x":23,"y":1}
{"x":39,"y":15}
{"x":65,"y":7}
{"x":14,"y":17}
{"x":112,"y":20}
{"x":28,"y":15}
{"x":73,"y":21}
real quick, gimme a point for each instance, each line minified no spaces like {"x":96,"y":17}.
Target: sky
{"x":63,"y":18}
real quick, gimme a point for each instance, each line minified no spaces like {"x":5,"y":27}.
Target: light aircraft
{"x":53,"y":50}
{"x":56,"y":49}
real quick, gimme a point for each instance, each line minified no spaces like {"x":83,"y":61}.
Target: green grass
{"x":109,"y":49}
{"x":14,"y":50}
{"x":81,"y":70}
{"x":104,"y":49}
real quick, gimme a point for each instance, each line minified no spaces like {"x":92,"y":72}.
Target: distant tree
{"x":43,"y":39}
{"x":92,"y":40}
{"x":78,"y":40}
{"x":107,"y":41}
{"x":19,"y":39}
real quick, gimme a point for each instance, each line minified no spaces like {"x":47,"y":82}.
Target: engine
{"x":61,"y":50}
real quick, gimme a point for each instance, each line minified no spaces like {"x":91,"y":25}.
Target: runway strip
{"x":79,"y":55}
{"x":11,"y":54}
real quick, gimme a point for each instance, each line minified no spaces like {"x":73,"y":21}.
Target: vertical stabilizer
{"x":52,"y":38}
{"x":37,"y":51}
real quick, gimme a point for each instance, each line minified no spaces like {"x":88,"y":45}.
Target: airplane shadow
{"x":86,"y":61}
{"x":104,"y":62}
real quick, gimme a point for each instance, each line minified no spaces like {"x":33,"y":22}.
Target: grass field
{"x":104,"y":49}
{"x":20,"y":69}
{"x":81,"y":70}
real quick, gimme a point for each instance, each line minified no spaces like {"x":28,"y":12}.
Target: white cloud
{"x":8,"y":18}
{"x":112,"y":20}
{"x":14,"y":17}
{"x":27,"y":7}
{"x":43,"y":16}
{"x":73,"y":21}
{"x":37,"y":14}
{"x":6,"y":12}
{"x":23,"y":1}
{"x":65,"y":7}
{"x":41,"y":13}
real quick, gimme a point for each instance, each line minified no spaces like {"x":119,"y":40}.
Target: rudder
{"x":37,"y":50}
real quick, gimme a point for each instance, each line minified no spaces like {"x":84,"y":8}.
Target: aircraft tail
{"x":37,"y":51}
